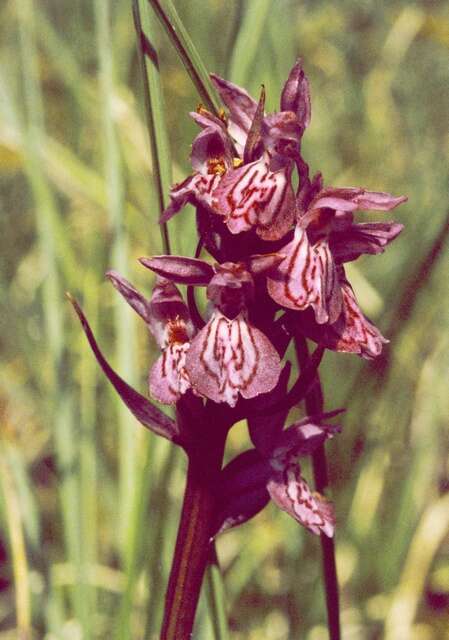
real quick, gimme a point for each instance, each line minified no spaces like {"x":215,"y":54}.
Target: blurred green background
{"x":89,"y":501}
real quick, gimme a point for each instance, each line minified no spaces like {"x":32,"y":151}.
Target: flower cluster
{"x":277,"y":272}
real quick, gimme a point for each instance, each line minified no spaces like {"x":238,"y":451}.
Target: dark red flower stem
{"x":193,"y":541}
{"x":314,"y":405}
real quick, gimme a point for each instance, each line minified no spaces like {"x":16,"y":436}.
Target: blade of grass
{"x":429,"y":535}
{"x":233,"y":35}
{"x":69,"y":491}
{"x":162,"y":520}
{"x":20,"y":567}
{"x":29,"y":505}
{"x":154,"y":110}
{"x":160,"y":461}
{"x":63,"y":60}
{"x":216,"y":598}
{"x":190,"y":58}
{"x":46,"y":215}
{"x":249,"y":41}
{"x":88,"y":440}
{"x":122,"y":626}
{"x":32,"y":149}
{"x":124,"y":327}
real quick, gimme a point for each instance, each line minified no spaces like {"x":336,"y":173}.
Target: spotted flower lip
{"x":326,"y":236}
{"x":291,"y":493}
{"x":229,"y":357}
{"x":253,"y":196}
{"x":168,"y":379}
{"x":171,"y":325}
{"x":353,"y":332}
{"x":286,"y":486}
{"x":306,"y":278}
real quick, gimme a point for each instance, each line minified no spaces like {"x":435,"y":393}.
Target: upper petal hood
{"x":242,"y":108}
{"x":296,"y":95}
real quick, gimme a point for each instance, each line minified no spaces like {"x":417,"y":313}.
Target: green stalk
{"x":249,"y":41}
{"x":14,"y":520}
{"x":216,"y":597}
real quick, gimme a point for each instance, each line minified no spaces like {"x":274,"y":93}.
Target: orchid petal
{"x":231,"y":288}
{"x":258,"y":264}
{"x":329,"y":302}
{"x":205,"y":119}
{"x":351,"y":199}
{"x":253,"y":145}
{"x":241,"y":105}
{"x":134,"y":298}
{"x":253,"y":196}
{"x":302,"y":438}
{"x":229,"y":357}
{"x":353,"y":332}
{"x":168,"y":379}
{"x":379,"y":201}
{"x":365,"y":238}
{"x":142,"y":409}
{"x":296,"y":283}
{"x":196,"y":189}
{"x":291,"y":493}
{"x":282,"y":134}
{"x":169,"y":315}
{"x":179,"y":269}
{"x":296,"y":95}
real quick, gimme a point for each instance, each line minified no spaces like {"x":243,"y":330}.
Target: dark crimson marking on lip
{"x":230,"y":197}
